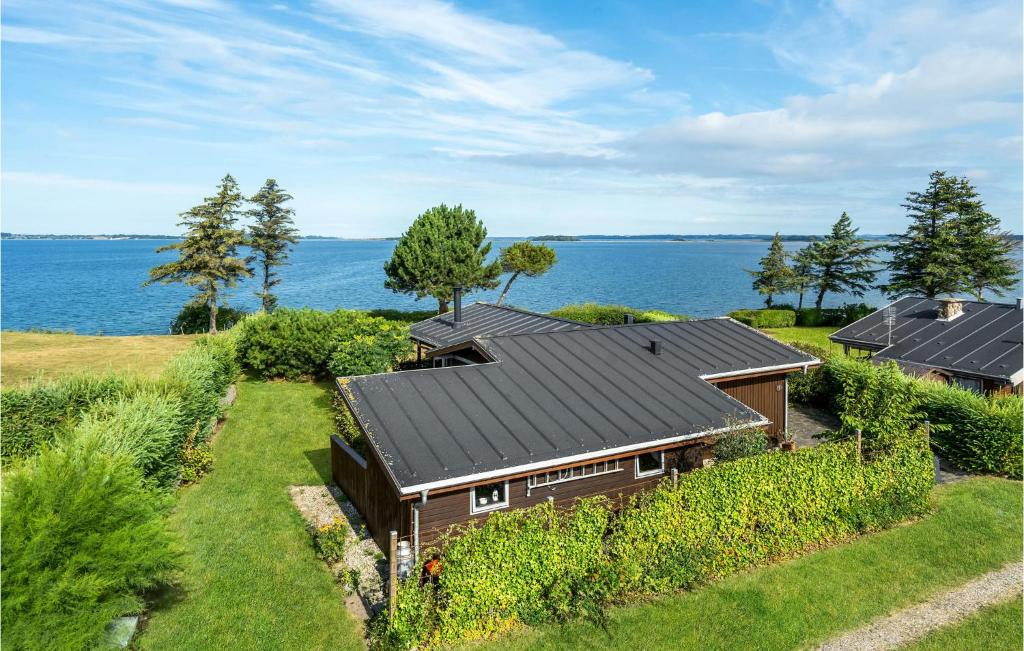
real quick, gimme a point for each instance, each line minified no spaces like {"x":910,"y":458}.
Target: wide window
{"x":650,"y":464}
{"x":570,"y":474}
{"x":488,"y":497}
{"x":967,"y":383}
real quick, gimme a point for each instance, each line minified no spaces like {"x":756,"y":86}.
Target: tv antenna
{"x":890,"y":319}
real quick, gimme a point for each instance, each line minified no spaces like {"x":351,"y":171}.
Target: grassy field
{"x":251,"y":579}
{"x":817,"y":336}
{"x":996,"y":628}
{"x":27,"y":355}
{"x":798,"y":604}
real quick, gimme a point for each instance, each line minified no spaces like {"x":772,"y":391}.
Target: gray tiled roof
{"x":481,"y":319}
{"x":987,"y":340}
{"x":555,"y":395}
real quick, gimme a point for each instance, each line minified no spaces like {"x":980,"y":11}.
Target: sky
{"x":544,"y":117}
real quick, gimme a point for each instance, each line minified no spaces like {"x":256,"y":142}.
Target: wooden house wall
{"x":766,"y":394}
{"x":446,"y":509}
{"x":368,"y":487}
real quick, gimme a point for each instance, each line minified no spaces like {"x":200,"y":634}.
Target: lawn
{"x":798,"y":604}
{"x":817,"y":336}
{"x":996,"y":628}
{"x":27,"y":355}
{"x":251,"y":579}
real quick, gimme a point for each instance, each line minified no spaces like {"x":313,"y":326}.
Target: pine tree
{"x":843,"y":263}
{"x":803,"y":271}
{"x":208,"y":255}
{"x":443,"y":249}
{"x":985,"y":249}
{"x":270,"y":236}
{"x":774,"y":276}
{"x":925,"y":259}
{"x":527,"y":259}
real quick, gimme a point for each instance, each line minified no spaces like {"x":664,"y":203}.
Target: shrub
{"x":880,"y":401}
{"x":329,"y":540}
{"x":835,"y":317}
{"x":765,"y":318}
{"x":223,"y":349}
{"x":369,"y":345}
{"x":739,"y":444}
{"x":195,"y":319}
{"x":542,"y":564}
{"x":82,"y":537}
{"x":145,"y":427}
{"x":197,"y":378}
{"x":37,"y":414}
{"x":196,"y":458}
{"x":613,"y":314}
{"x":403,"y":316}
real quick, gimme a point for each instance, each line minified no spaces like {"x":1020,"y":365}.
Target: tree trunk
{"x":442,"y":306}
{"x":504,"y":292}
{"x":768,"y":302}
{"x":800,"y":303}
{"x":821,"y":297}
{"x":211,"y":304}
{"x":267,"y":307}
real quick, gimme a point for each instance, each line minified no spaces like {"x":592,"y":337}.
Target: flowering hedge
{"x":541,"y":564}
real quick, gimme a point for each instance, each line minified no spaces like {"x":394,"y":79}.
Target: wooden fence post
{"x":858,"y":446}
{"x":675,"y":477}
{"x":393,"y":571}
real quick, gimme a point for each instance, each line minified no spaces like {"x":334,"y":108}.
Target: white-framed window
{"x":649,"y":464}
{"x":488,"y":497}
{"x":572,"y":474}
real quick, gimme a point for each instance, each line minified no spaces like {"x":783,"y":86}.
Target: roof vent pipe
{"x":628,"y":319}
{"x":655,"y":346}
{"x":458,"y":307}
{"x":1020,"y":303}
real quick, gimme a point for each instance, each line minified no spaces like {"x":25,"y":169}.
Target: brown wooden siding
{"x":764,"y":393}
{"x":447,"y":509}
{"x":368,"y":487}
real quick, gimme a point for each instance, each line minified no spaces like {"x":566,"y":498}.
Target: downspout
{"x":416,"y":525}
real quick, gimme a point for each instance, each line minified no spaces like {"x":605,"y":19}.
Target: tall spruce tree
{"x":208,"y":255}
{"x":843,"y":262}
{"x":270,"y":236}
{"x":803,"y":271}
{"x":986,"y":251}
{"x":925,"y":259}
{"x":774,"y":276}
{"x":443,"y":248}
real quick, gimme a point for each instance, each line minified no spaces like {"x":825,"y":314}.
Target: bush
{"x":835,"y":317}
{"x":542,"y":564}
{"x":403,"y":316}
{"x":301,"y":343}
{"x":145,"y":427}
{"x":197,"y":378}
{"x":195,"y":319}
{"x":196,"y":458}
{"x":739,"y":444}
{"x":370,"y":345}
{"x":82,"y":538}
{"x":37,"y":414}
{"x":765,"y":318}
{"x":613,"y":314}
{"x":329,"y":540}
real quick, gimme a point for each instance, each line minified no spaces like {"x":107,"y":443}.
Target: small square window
{"x":650,"y":464}
{"x":488,"y":497}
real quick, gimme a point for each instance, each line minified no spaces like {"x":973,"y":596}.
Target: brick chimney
{"x":950,"y":308}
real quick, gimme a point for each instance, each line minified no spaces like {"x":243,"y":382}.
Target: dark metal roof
{"x":482,"y":319}
{"x":555,"y":396}
{"x":985,"y":341}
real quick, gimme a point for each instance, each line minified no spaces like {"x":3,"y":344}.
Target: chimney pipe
{"x":458,"y":307}
{"x":655,"y":346}
{"x":1020,"y":303}
{"x":628,"y":319}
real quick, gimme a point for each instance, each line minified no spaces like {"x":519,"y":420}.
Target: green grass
{"x":800,"y":603}
{"x":28,"y":355}
{"x":250,"y":578}
{"x":817,"y":336}
{"x":996,"y":628}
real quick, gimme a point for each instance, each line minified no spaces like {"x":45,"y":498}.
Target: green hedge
{"x":765,"y":318}
{"x":977,"y":433}
{"x":300,"y":343}
{"x":541,"y":564}
{"x":82,"y":538}
{"x":613,"y":314}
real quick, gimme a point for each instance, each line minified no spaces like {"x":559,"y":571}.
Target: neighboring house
{"x":978,"y":346}
{"x":553,"y":415}
{"x":462,"y":324}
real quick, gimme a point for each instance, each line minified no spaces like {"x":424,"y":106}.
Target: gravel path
{"x":905,"y":626}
